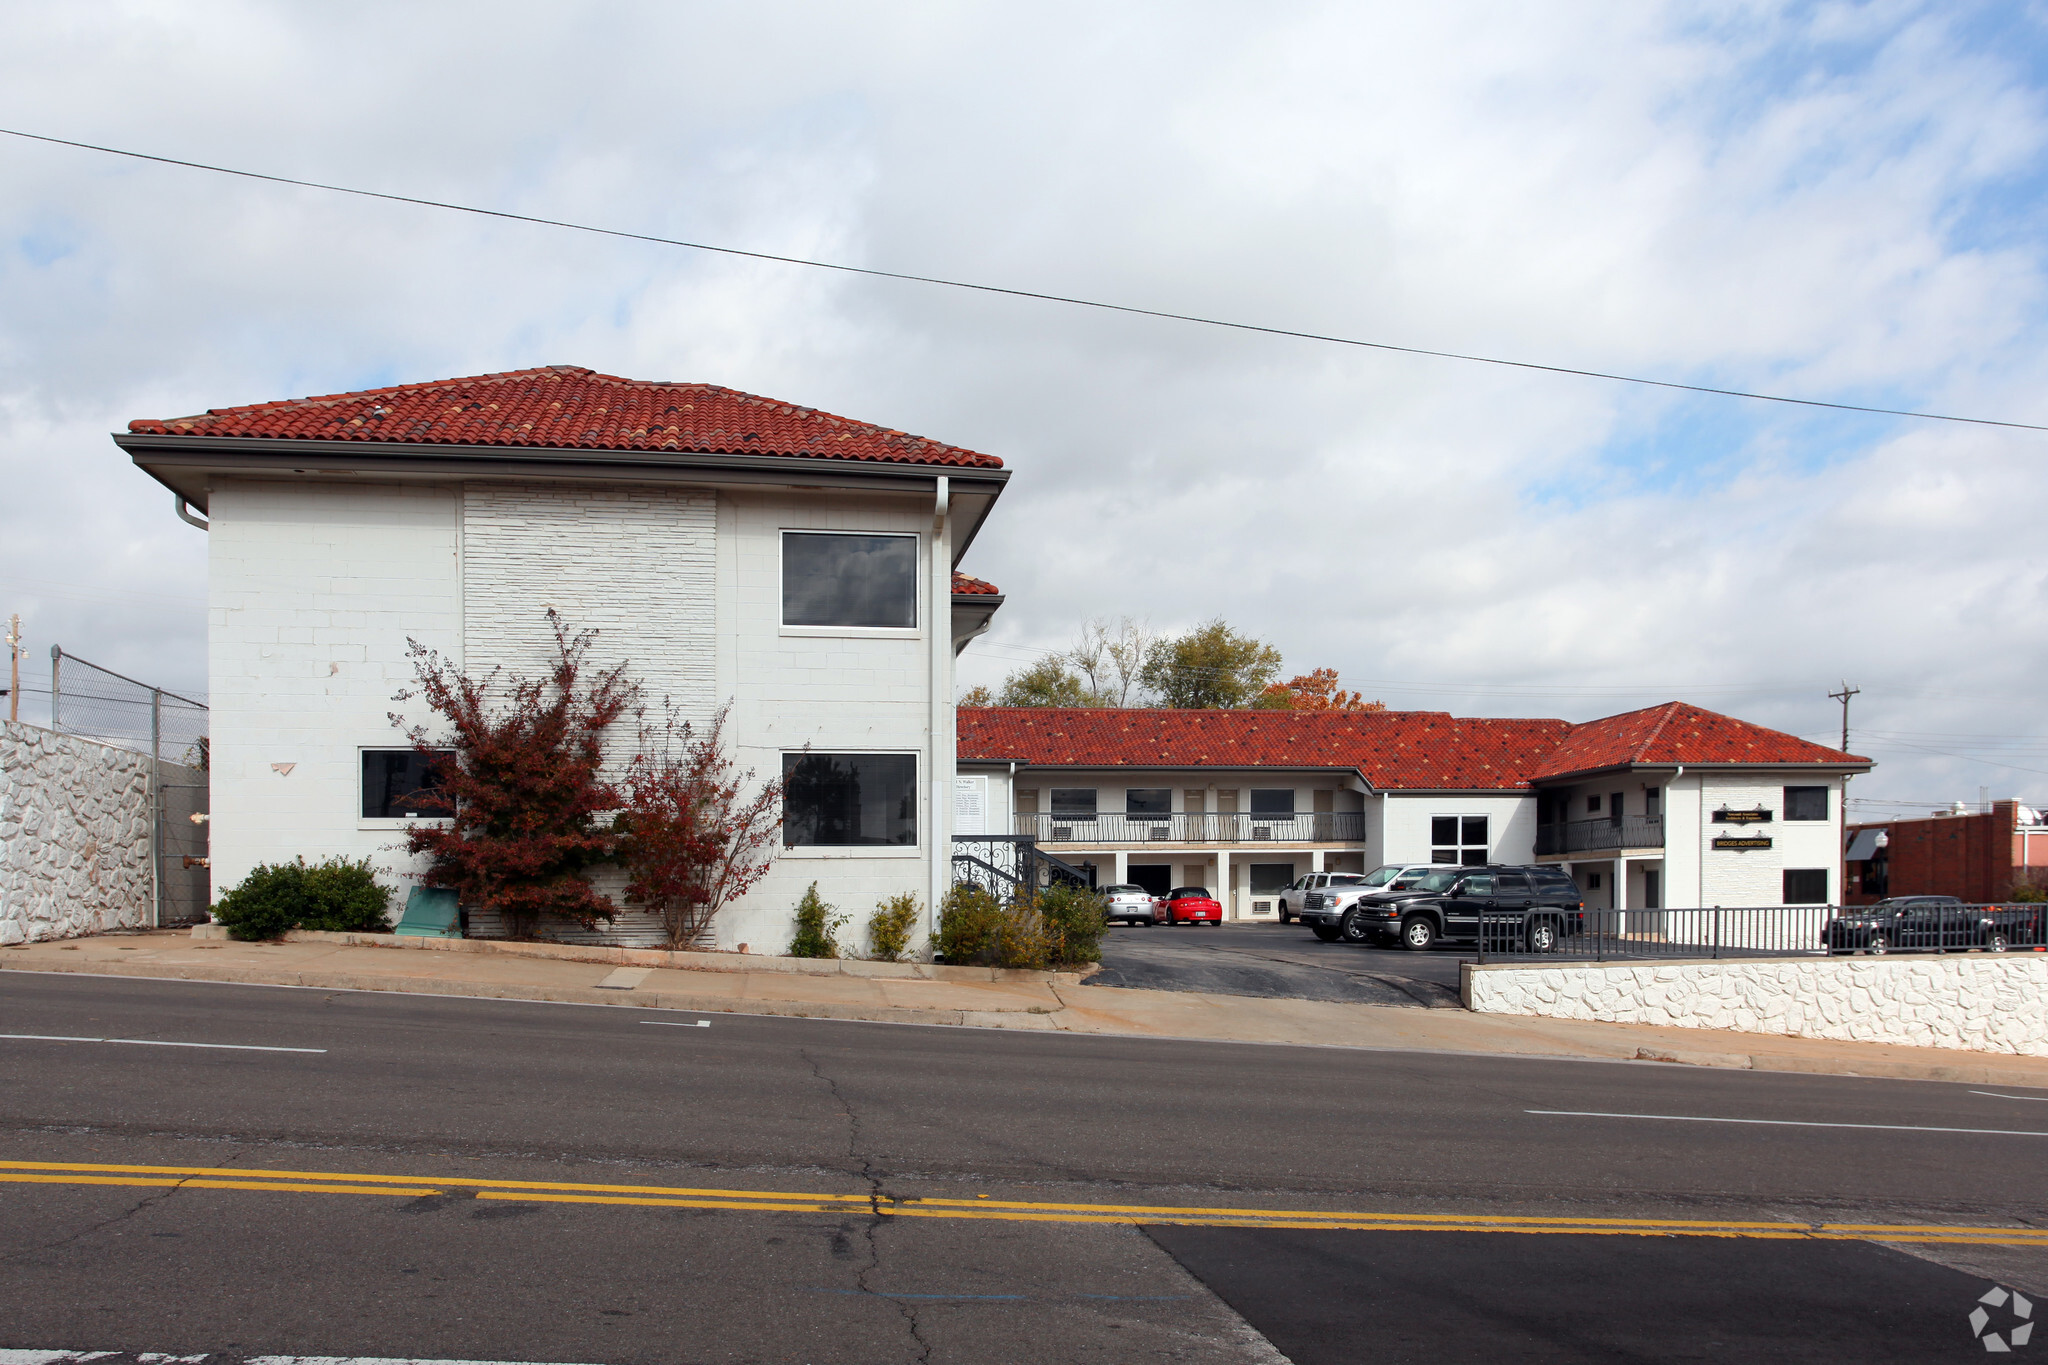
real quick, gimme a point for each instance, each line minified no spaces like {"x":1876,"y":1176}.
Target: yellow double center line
{"x":1000,"y":1210}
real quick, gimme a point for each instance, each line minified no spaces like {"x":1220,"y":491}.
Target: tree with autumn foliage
{"x":1315,"y":690}
{"x":522,"y":763}
{"x":691,"y":839}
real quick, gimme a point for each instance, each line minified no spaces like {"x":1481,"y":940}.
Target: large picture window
{"x":1074,"y":802}
{"x":1273,"y":802}
{"x":398,"y":786}
{"x":834,"y":579}
{"x":1458,"y":840}
{"x":849,"y":800}
{"x":1149,"y":801}
{"x":1806,"y":886}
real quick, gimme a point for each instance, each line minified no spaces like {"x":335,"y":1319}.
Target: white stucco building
{"x":734,"y":549}
{"x":1670,"y":807}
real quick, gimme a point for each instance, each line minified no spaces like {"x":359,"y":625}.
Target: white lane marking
{"x":147,"y":1042}
{"x":2038,"y":1099}
{"x":1783,"y":1123}
{"x":676,"y":1023}
{"x":366,"y":1360}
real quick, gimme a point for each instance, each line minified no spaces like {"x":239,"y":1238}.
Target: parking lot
{"x":1278,"y":960}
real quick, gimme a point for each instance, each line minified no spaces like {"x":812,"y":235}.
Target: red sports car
{"x":1191,"y":905}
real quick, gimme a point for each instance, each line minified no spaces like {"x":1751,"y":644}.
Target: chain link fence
{"x":96,"y":703}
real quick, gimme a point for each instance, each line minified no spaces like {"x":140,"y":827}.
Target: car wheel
{"x":1355,"y":929}
{"x":1879,"y":945}
{"x":1417,"y":933}
{"x":1325,"y":932}
{"x":1997,"y":943}
{"x":1542,"y":937}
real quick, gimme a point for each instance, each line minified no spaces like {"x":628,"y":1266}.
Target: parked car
{"x":1192,"y":905}
{"x":1131,"y":904}
{"x":1532,"y":908}
{"x":1294,"y":898}
{"x":1926,"y":924}
{"x":1323,"y":910}
{"x":1386,"y":886}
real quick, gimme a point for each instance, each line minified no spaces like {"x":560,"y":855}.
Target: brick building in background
{"x":1976,"y":856}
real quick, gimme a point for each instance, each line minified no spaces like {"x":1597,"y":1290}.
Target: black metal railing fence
{"x":1754,"y":932}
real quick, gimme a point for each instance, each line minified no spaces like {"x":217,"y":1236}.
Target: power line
{"x":1042,"y":296}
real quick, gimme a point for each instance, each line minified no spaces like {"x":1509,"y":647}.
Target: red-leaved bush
{"x":691,"y":838}
{"x":526,"y":779}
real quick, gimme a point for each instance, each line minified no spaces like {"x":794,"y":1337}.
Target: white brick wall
{"x":638,"y":565}
{"x":1756,"y":876}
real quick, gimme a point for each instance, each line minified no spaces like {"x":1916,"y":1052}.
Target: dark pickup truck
{"x":1932,"y":924}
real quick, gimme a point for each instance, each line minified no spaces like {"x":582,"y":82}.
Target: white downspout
{"x":943,"y":741}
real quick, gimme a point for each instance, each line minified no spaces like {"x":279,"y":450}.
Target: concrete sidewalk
{"x":974,"y":996}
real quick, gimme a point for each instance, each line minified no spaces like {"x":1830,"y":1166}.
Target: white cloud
{"x":1818,"y":200}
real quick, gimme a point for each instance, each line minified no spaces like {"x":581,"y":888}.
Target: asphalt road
{"x":823,"y":1191}
{"x":1284,"y":960}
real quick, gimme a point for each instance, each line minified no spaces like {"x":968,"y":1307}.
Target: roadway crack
{"x":877,"y":1215}
{"x":149,"y":1200}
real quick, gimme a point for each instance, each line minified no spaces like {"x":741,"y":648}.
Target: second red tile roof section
{"x":1392,"y":749}
{"x":567,"y":407}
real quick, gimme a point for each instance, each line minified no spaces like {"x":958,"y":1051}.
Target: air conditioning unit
{"x":1060,"y":832}
{"x":1262,"y":907}
{"x":1262,"y":831}
{"x":1155,"y":831}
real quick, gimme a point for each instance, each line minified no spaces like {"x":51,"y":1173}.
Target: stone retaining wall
{"x":1981,"y":1002}
{"x":74,"y":836}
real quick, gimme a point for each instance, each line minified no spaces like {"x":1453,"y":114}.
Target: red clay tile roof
{"x":964,"y":586}
{"x":1391,"y":749}
{"x":567,"y":407}
{"x":1680,"y":733}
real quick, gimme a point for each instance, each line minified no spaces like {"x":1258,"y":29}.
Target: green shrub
{"x":890,"y":927}
{"x":340,"y":895}
{"x":816,"y":927}
{"x":1075,"y":919}
{"x":968,"y":921}
{"x":1061,"y":926}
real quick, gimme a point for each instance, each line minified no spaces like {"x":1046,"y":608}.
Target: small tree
{"x":817,"y":927}
{"x":691,"y":839}
{"x":1315,"y":690}
{"x":1045,"y":683}
{"x":523,"y":769}
{"x":891,"y":926}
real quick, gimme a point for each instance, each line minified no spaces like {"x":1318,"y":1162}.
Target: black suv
{"x":1523,"y":908}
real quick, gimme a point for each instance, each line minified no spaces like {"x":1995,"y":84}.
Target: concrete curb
{"x":681,"y":960}
{"x":680,"y":1002}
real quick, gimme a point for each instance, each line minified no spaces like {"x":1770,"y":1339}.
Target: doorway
{"x":1156,"y":878}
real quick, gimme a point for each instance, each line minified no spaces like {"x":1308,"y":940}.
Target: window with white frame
{"x":848,"y":800}
{"x":398,"y":784}
{"x":1458,"y":840}
{"x":833,"y":578}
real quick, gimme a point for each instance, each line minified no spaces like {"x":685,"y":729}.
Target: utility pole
{"x":1843,"y":697}
{"x":14,"y":667}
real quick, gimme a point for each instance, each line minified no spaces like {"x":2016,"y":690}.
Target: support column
{"x":1225,"y":892}
{"x":1620,"y":894}
{"x":1315,"y":860}
{"x":1123,"y":867}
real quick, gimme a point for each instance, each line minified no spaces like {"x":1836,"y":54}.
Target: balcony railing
{"x":1590,"y":836}
{"x":1195,"y":827}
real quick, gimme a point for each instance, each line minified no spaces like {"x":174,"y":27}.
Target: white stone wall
{"x":1983,"y":1002}
{"x":74,"y":836}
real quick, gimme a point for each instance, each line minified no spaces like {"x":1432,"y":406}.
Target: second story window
{"x":1806,"y":803}
{"x":836,"y":579}
{"x":1073,"y":803}
{"x":1273,"y":802}
{"x":1152,"y":802}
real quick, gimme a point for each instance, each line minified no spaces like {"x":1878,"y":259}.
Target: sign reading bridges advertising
{"x":1742,"y":841}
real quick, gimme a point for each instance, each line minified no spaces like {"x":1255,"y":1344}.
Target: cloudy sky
{"x":1834,"y":201}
